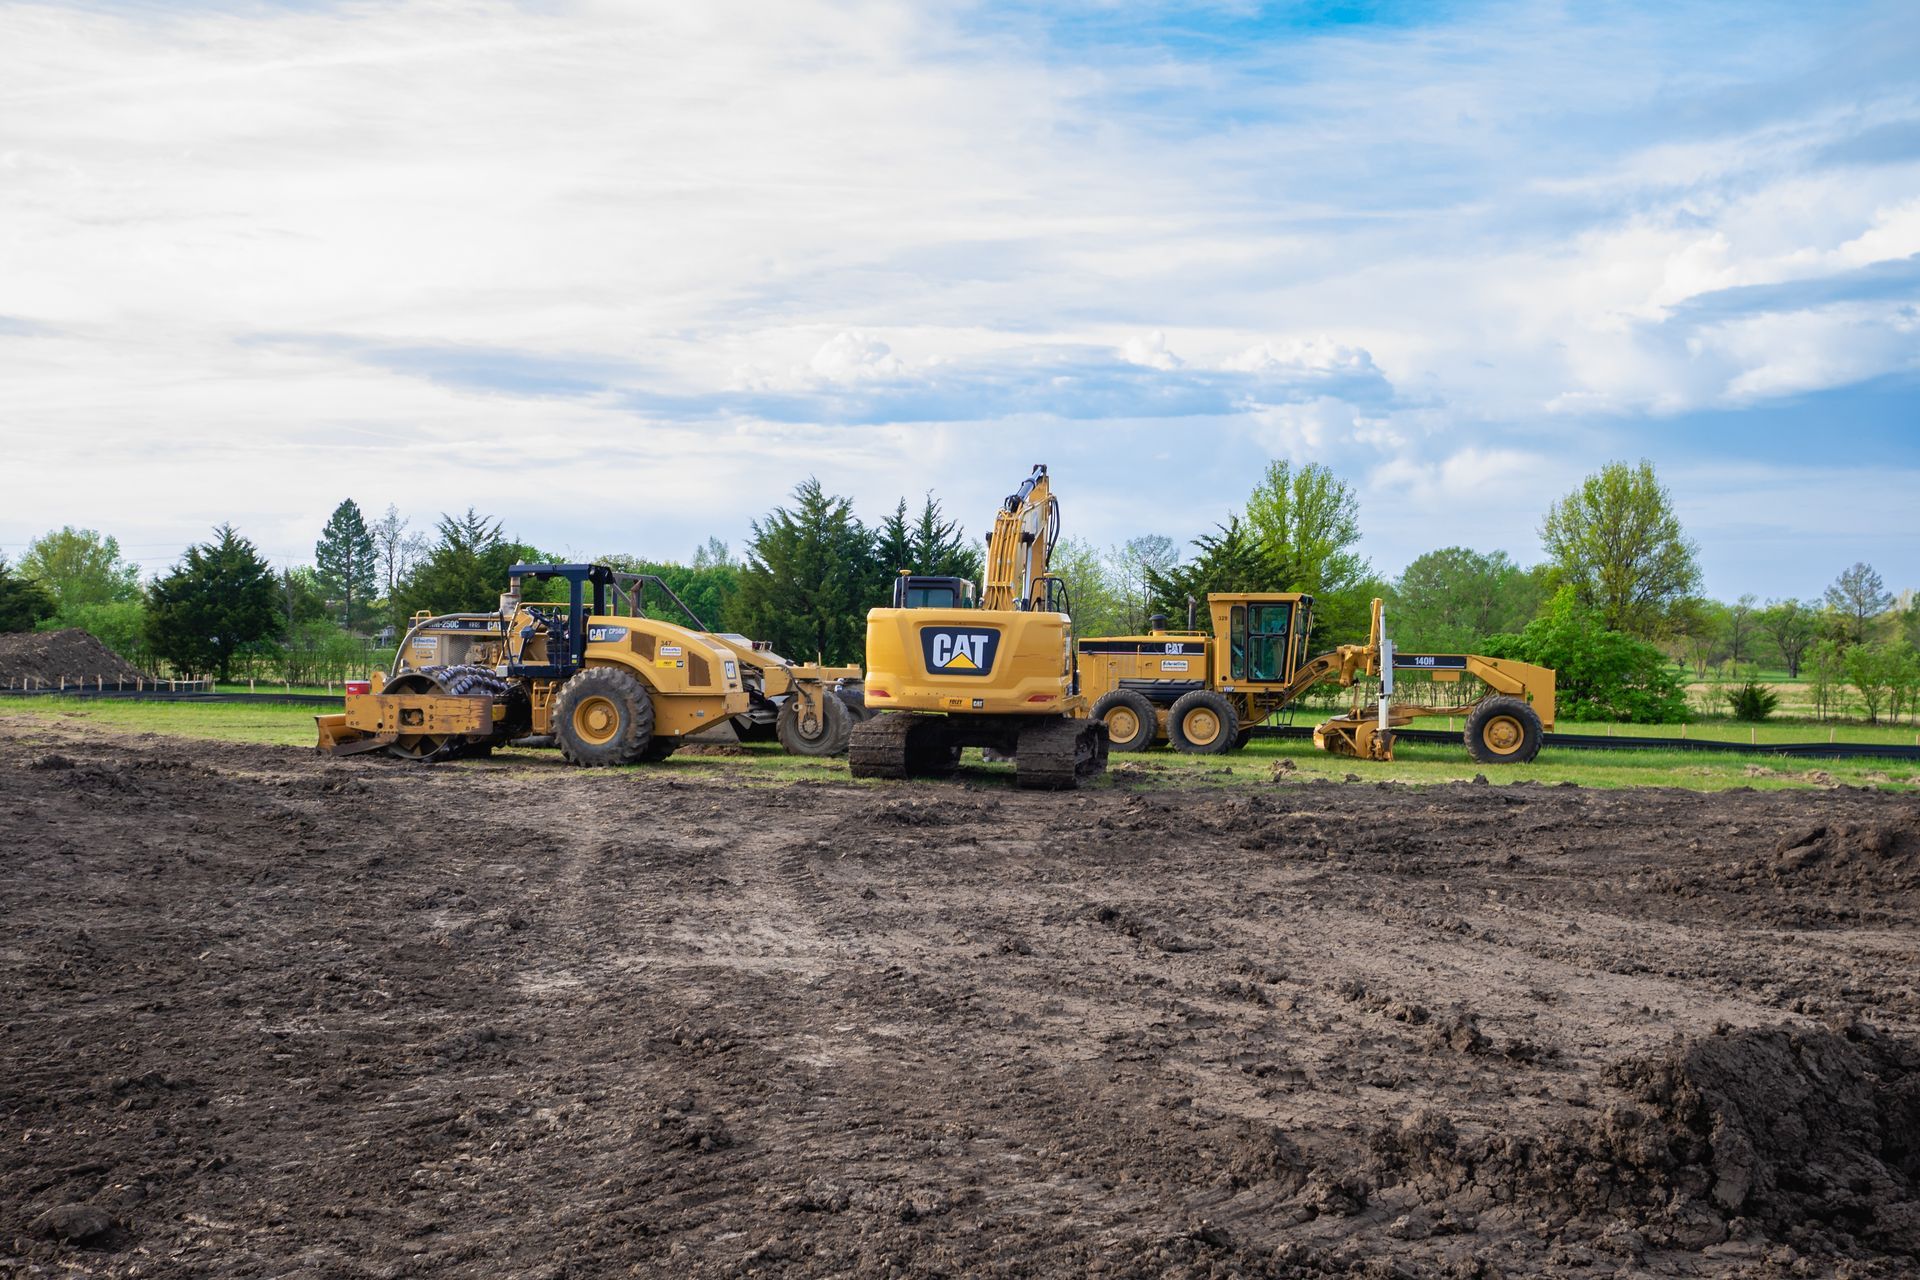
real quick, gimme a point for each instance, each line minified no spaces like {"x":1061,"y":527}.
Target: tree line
{"x":1614,"y":606}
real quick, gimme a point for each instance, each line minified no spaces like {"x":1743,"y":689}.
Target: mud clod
{"x":79,"y":1224}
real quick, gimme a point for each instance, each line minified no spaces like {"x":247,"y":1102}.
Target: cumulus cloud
{"x":853,"y":356}
{"x":375,"y":243}
{"x":1151,"y":352}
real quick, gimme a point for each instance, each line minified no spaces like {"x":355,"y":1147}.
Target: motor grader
{"x":1204,"y":693}
{"x":943,"y":675}
{"x":607,"y":688}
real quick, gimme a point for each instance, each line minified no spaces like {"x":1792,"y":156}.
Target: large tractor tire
{"x":1130,"y":720}
{"x":822,"y":735}
{"x":1203,"y":723}
{"x":603,"y":716}
{"x":1503,"y":730}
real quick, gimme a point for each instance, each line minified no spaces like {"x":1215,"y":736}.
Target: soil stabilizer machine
{"x":1204,"y":693}
{"x":810,"y":708}
{"x":943,"y":675}
{"x":607,"y":688}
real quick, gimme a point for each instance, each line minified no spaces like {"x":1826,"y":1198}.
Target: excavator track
{"x":879,"y":747}
{"x":1055,"y":754}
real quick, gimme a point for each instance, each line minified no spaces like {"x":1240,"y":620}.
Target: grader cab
{"x":1205,"y":691}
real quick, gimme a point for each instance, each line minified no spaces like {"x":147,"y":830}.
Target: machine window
{"x":1267,"y":641}
{"x":1237,"y":643}
{"x":937,"y":597}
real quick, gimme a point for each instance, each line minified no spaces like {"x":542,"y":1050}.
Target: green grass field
{"x":764,"y":763}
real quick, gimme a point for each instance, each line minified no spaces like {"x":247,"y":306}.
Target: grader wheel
{"x":1503,"y":731}
{"x":1203,"y":723}
{"x":1130,"y":720}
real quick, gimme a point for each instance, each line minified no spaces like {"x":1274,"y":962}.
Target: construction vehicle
{"x":607,"y":688}
{"x":809,"y":707}
{"x":1189,"y":689}
{"x":943,"y":675}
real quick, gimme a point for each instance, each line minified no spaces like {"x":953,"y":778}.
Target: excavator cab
{"x":927,"y":591}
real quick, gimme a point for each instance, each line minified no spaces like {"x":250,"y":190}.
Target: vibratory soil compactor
{"x":1205,"y":693}
{"x":606,"y":688}
{"x":943,"y":674}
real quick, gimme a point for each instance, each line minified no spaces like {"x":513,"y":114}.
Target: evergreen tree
{"x":347,"y":562}
{"x":1233,"y":559}
{"x":940,"y":547}
{"x":220,"y":599}
{"x":808,"y":579}
{"x":465,"y":571}
{"x":23,"y":601}
{"x":892,"y":551}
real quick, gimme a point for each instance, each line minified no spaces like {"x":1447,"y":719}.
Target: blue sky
{"x":624,"y":275}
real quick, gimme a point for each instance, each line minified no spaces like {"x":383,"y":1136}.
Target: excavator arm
{"x":1025,"y":530}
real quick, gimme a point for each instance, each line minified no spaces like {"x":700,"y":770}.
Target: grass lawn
{"x":766,"y":764}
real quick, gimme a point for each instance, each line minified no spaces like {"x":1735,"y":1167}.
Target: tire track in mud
{"x":509,"y":1019}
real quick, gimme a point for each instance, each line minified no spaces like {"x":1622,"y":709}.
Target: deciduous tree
{"x":1617,"y":542}
{"x":80,"y":567}
{"x":1600,"y":674}
{"x":1857,"y":597}
{"x":1446,"y":600}
{"x":1093,"y":589}
{"x":1791,"y":626}
{"x":395,"y":549}
{"x":1135,"y":562}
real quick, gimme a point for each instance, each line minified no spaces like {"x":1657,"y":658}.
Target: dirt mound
{"x":47,"y":657}
{"x":1874,"y":857}
{"x":1807,"y":1137}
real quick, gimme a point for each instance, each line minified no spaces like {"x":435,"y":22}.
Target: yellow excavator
{"x":945,"y":673}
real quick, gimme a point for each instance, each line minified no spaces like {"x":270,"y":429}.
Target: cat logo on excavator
{"x":959,"y":651}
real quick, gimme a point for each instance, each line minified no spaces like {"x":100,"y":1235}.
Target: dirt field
{"x":267,"y":1015}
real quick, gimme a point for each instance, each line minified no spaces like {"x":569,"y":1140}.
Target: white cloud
{"x":1151,"y":352}
{"x":855,"y":357}
{"x":428,"y":250}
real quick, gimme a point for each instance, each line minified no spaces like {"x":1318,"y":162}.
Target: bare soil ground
{"x":269,"y":1015}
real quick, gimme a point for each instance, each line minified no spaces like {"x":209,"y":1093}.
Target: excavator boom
{"x":1021,"y":544}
